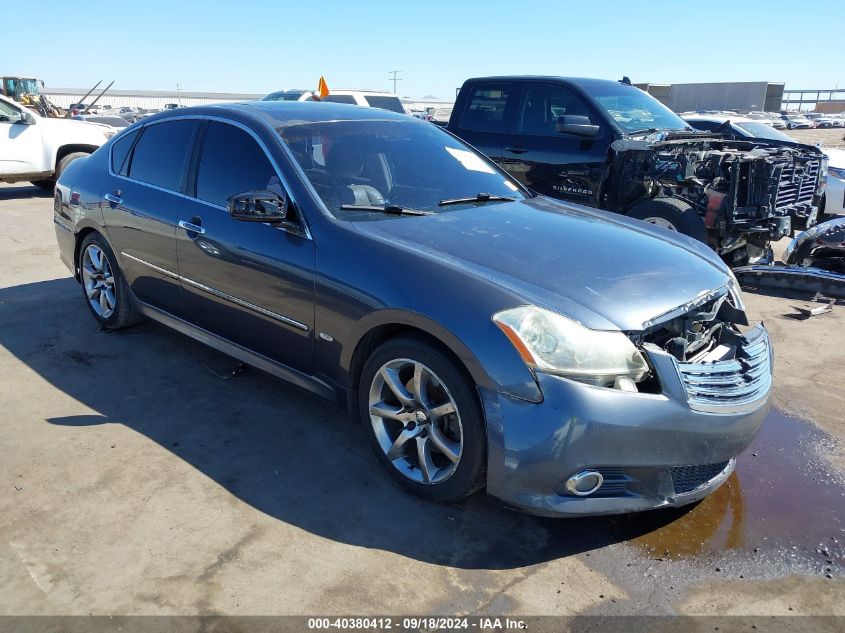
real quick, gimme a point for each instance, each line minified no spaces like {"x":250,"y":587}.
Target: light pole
{"x":394,"y":79}
{"x":178,"y":95}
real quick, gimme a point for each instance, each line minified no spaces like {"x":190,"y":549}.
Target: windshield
{"x":410,"y":163}
{"x":634,"y":110}
{"x":763,"y":130}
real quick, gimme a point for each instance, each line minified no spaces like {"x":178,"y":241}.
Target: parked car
{"x":821,"y":120}
{"x":39,"y":149}
{"x":497,"y":348}
{"x":115,"y":122}
{"x":796,"y":122}
{"x":758,"y":132}
{"x":366,"y":98}
{"x":777,"y":122}
{"x":130,"y":113}
{"x":608,"y":144}
{"x":171,"y":106}
{"x":440,"y":116}
{"x":295,"y":94}
{"x":834,"y":195}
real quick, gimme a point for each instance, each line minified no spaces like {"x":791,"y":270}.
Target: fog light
{"x":584,"y":483}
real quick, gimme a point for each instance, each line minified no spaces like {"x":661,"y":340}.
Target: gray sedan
{"x":568,"y":360}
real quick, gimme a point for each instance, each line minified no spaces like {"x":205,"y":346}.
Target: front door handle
{"x":516,"y":149}
{"x":191,"y":228}
{"x":114,"y":198}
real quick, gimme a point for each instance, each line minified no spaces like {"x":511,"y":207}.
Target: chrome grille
{"x":687,"y":478}
{"x":797,"y":184}
{"x":734,"y":385}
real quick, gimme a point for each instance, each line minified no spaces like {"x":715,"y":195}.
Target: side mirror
{"x":578,"y":125}
{"x":258,"y":206}
{"x":27,"y":118}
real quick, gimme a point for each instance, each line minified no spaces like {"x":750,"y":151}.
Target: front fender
{"x":485,"y":351}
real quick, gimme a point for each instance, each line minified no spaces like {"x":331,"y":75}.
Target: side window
{"x":341,"y":99}
{"x":8,"y":114}
{"x":485,"y":111}
{"x":120,"y":150}
{"x":159,"y":155}
{"x":232,"y":162}
{"x":543,"y":105}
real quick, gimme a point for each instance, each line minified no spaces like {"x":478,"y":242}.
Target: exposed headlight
{"x":556,"y":345}
{"x":735,"y":292}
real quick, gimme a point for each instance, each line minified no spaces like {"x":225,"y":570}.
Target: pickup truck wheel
{"x":671,"y":214}
{"x":46,"y":185}
{"x":423,"y":420}
{"x":104,"y":286}
{"x":65,"y":161}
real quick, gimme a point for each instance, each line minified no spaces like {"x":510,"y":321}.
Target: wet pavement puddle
{"x":783,"y":499}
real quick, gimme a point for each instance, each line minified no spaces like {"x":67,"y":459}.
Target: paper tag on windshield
{"x":470,"y":161}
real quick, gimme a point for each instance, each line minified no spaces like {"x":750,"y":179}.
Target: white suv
{"x":366,"y":98}
{"x":38,"y":149}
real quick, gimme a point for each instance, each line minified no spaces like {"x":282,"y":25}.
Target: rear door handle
{"x":516,"y":149}
{"x":192,"y":228}
{"x":114,"y":197}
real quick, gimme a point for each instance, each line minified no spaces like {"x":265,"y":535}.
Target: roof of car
{"x":289,"y":112}
{"x":578,"y":81}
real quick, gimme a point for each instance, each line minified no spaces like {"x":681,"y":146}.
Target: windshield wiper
{"x":391,"y":209}
{"x":479,"y":197}
{"x":648,"y":130}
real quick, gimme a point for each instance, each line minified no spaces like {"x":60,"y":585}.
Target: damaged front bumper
{"x":653,"y":450}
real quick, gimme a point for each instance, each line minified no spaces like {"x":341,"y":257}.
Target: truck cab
{"x":610,"y":145}
{"x":38,"y":149}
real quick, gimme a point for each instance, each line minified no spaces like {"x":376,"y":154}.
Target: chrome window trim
{"x":219,"y":293}
{"x":209,"y":117}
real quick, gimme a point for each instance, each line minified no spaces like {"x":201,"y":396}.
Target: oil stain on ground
{"x":783,"y":500}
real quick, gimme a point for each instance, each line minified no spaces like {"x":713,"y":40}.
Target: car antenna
{"x":625,"y":80}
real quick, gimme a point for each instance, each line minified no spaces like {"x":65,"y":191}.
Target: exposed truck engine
{"x":746,"y":193}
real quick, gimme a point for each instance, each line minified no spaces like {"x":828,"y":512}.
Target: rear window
{"x":120,"y":150}
{"x":486,"y":109}
{"x":160,"y":154}
{"x":385,"y":103}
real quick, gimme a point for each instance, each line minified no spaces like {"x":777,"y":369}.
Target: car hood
{"x":74,"y":125}
{"x":601,"y":269}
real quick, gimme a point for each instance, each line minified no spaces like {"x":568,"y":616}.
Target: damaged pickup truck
{"x":610,"y":145}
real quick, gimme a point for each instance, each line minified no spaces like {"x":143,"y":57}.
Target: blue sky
{"x":257,"y":46}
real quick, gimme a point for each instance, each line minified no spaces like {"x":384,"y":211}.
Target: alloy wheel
{"x":416,"y":421}
{"x":98,"y":279}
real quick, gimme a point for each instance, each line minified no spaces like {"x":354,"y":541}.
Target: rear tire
{"x":445,"y":425}
{"x":103,"y":285}
{"x":671,"y":214}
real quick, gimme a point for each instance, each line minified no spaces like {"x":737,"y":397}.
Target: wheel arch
{"x":354,"y":358}
{"x":64,"y":150}
{"x":79,"y":238}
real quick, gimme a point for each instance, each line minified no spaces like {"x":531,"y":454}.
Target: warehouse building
{"x":742,"y":96}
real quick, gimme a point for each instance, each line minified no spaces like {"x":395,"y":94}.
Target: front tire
{"x":671,"y":214}
{"x":423,"y":419}
{"x":104,"y":286}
